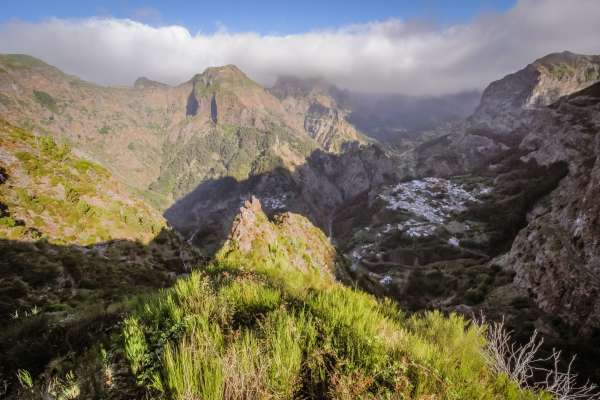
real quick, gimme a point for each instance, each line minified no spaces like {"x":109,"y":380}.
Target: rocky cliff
{"x":507,"y":103}
{"x":316,"y":103}
{"x":557,"y":256}
{"x":507,"y":108}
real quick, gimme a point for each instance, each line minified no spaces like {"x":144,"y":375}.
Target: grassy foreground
{"x":254,"y":326}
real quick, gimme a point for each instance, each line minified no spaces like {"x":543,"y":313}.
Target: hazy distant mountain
{"x":405,"y":120}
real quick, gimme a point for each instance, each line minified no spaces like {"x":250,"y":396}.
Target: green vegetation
{"x":254,"y":325}
{"x":64,"y":197}
{"x":5,"y":100}
{"x":592,"y":74}
{"x":104,"y":130}
{"x":20,"y":61}
{"x":226,"y":151}
{"x":45,"y":100}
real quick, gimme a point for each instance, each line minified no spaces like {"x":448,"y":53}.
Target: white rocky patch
{"x":386,"y":280}
{"x":432,"y":199}
{"x":578,"y":225}
{"x":454,"y":242}
{"x":274,"y":203}
{"x":485,"y":191}
{"x":422,"y":230}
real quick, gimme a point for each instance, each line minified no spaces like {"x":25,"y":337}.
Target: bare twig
{"x":521,"y":363}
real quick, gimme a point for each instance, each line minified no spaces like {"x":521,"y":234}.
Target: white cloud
{"x":387,"y":56}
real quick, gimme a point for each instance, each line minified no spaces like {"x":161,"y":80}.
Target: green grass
{"x":255,"y":326}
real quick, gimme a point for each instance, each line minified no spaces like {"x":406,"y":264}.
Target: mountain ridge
{"x":134,"y":131}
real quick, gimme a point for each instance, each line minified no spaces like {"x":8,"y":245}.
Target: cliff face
{"x":557,"y":256}
{"x":507,"y":103}
{"x":324,"y":119}
{"x":507,"y":108}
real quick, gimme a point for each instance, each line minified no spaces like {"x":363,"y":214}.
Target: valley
{"x":219,"y":218}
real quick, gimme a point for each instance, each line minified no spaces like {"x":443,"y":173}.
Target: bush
{"x":45,"y":100}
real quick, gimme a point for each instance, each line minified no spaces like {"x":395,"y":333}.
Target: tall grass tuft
{"x":194,"y":368}
{"x":282,"y":333}
{"x":134,"y":344}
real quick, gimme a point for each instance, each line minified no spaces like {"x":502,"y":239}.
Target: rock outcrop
{"x":288,"y":235}
{"x":508,"y":103}
{"x":557,"y":256}
{"x":316,"y":103}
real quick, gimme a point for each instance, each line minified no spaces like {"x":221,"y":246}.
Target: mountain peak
{"x":539,"y":84}
{"x":145,"y":83}
{"x":567,"y":57}
{"x":22,"y":61}
{"x":224,"y":74}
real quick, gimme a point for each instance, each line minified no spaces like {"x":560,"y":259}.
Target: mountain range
{"x":314,"y":189}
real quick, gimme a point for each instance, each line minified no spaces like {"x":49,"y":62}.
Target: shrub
{"x":45,"y":100}
{"x":8,"y":222}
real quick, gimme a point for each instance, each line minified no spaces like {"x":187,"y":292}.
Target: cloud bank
{"x":386,"y":56}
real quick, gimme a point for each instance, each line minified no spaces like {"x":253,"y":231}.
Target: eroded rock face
{"x":508,"y":103}
{"x":507,"y":109}
{"x":557,"y":256}
{"x":314,"y":103}
{"x":252,"y":231}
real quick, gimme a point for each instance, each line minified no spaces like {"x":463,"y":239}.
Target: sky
{"x":423,"y":48}
{"x":264,"y":17}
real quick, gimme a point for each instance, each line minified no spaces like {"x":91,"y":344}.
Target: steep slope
{"x":65,"y":222}
{"x":162,"y":140}
{"x":74,"y":243}
{"x":121,"y":128}
{"x":315,"y":103}
{"x":557,"y":256}
{"x":266,"y":319}
{"x":502,"y":119}
{"x":506,"y":103}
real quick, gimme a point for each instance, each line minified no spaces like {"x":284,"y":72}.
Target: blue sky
{"x":265,"y":17}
